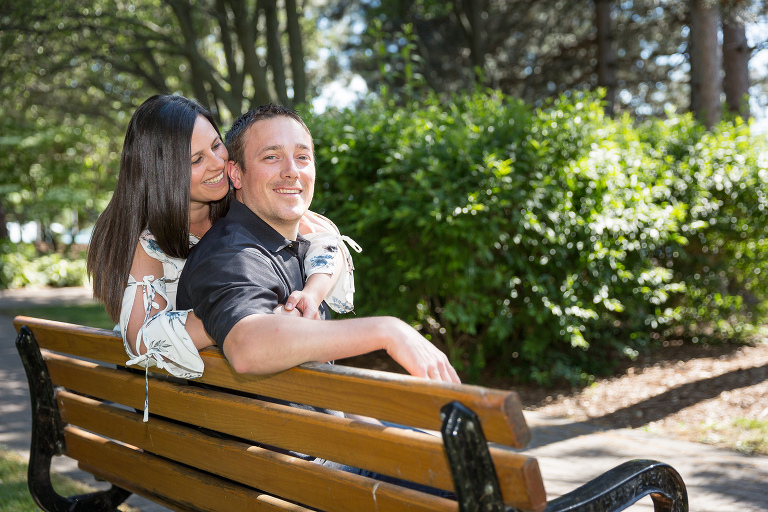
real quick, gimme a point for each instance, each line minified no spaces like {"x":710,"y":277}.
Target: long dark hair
{"x":152,"y":193}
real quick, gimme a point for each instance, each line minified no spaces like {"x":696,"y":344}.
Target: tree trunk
{"x":736,"y":54}
{"x":705,"y":59}
{"x":208,"y":89}
{"x":275,"y":51}
{"x":606,"y":54}
{"x":3,"y":228}
{"x":473,"y":28}
{"x":297,"y":53}
{"x":245,"y":26}
{"x":235,"y":77}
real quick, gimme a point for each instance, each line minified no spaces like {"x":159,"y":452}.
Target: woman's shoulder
{"x":149,"y":244}
{"x":171,"y":266}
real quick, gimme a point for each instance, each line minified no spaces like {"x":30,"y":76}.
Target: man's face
{"x":278,"y":181}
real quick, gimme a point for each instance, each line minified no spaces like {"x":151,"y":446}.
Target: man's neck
{"x":289,"y":230}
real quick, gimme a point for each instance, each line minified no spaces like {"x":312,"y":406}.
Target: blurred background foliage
{"x":548,"y":243}
{"x":546,"y":188}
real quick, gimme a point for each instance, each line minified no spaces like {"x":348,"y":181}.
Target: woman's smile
{"x":215,"y":179}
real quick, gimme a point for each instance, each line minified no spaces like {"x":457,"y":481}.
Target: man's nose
{"x":289,"y":169}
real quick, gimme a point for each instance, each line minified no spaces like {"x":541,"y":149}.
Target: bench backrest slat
{"x":146,"y":475}
{"x":294,"y":479}
{"x":383,"y":450}
{"x":406,"y":400}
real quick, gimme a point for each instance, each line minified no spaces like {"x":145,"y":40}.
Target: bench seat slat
{"x":191,"y":490}
{"x":389,"y":451}
{"x":278,"y":474}
{"x":381,"y":395}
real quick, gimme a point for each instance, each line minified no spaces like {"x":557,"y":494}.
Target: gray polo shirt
{"x":241,"y":267}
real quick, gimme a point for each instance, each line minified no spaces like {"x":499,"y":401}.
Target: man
{"x":250,"y":262}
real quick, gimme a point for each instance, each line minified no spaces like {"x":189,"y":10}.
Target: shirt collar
{"x":266,"y":234}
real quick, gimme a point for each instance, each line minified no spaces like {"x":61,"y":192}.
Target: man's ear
{"x":233,"y":171}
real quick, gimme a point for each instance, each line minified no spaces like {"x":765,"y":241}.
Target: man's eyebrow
{"x":275,"y":147}
{"x":278,"y":147}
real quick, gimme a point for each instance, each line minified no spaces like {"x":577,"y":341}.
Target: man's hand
{"x":300,"y":304}
{"x":418,"y":355}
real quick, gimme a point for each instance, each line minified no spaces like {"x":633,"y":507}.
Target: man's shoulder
{"x":224,"y":242}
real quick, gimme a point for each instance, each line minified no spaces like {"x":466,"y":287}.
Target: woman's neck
{"x":199,"y":220}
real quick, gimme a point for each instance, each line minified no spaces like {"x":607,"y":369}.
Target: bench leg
{"x":477,"y":486}
{"x":47,"y":440}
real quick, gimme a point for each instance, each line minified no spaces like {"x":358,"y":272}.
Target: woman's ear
{"x":233,"y":171}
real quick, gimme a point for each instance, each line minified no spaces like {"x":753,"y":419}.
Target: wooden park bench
{"x":214,"y":444}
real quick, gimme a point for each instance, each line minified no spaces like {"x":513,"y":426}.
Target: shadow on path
{"x":652,"y":409}
{"x":685,"y":395}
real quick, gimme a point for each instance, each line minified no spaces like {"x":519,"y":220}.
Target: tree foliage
{"x":538,"y":50}
{"x":228,"y":54}
{"x":73,"y":71}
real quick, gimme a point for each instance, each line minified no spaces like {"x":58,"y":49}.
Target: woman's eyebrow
{"x":212,"y":142}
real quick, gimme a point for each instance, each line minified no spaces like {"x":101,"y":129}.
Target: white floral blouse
{"x":163,"y":333}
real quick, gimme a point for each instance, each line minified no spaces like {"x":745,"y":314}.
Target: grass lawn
{"x":14,"y":493}
{"x":92,"y":315}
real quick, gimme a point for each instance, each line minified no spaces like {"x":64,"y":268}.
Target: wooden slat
{"x":397,"y":398}
{"x":405,"y":454}
{"x":148,"y":475}
{"x":277,"y":474}
{"x":384,"y":450}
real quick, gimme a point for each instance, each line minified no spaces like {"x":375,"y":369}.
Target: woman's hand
{"x":301,"y":304}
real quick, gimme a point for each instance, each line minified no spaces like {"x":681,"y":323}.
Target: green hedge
{"x":546,"y":243}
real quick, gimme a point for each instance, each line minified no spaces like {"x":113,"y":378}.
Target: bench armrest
{"x":624,"y":485}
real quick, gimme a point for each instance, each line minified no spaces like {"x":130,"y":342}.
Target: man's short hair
{"x":235,"y":138}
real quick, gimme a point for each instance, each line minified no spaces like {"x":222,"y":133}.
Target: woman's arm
{"x":328,"y":265}
{"x":152,"y":330}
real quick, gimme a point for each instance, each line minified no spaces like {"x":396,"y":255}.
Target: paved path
{"x":569,"y":453}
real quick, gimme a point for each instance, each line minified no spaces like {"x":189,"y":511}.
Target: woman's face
{"x":208,"y":163}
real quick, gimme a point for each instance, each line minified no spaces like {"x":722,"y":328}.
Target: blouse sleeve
{"x":326,"y":247}
{"x":163,"y":333}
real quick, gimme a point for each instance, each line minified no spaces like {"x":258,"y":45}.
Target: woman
{"x":171,"y":188}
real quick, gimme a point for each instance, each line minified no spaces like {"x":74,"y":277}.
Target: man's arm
{"x":264,"y":343}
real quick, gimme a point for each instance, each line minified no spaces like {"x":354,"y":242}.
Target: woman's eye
{"x":197,"y":160}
